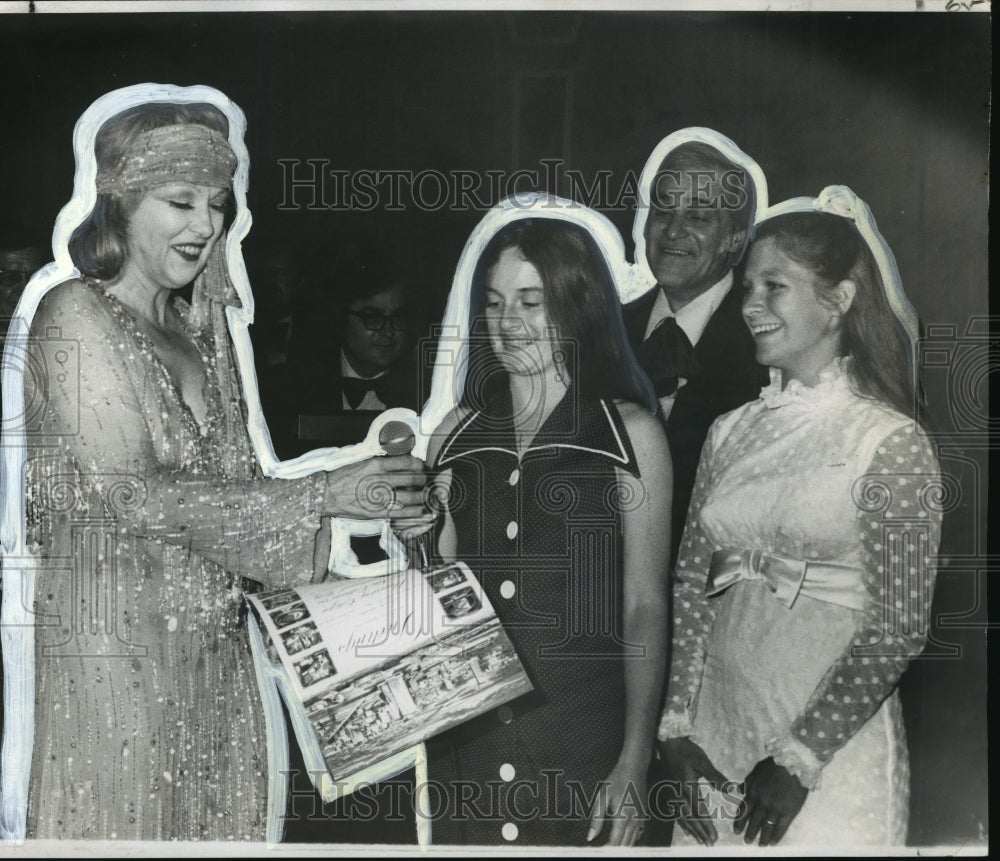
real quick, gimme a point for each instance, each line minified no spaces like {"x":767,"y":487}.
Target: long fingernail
{"x":591,"y":834}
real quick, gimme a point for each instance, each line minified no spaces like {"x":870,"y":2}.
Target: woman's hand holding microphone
{"x":381,"y":487}
{"x":391,"y":487}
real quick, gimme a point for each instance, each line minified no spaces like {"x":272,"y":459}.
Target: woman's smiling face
{"x":793,"y":329}
{"x":172,"y":232}
{"x":516,"y":316}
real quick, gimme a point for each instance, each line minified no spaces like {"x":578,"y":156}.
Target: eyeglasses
{"x":373,"y":321}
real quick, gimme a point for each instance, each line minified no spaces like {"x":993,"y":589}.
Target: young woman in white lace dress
{"x":804,"y":582}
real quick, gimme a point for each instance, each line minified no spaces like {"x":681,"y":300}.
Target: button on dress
{"x":543,"y":533}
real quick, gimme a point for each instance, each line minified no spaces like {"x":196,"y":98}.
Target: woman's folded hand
{"x":773,"y":797}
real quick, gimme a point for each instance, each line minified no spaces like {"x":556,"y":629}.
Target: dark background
{"x":893,"y":105}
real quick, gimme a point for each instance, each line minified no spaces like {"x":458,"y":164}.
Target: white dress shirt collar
{"x":693,"y":317}
{"x":370,"y":401}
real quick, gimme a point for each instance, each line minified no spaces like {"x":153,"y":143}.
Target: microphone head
{"x":396,"y":438}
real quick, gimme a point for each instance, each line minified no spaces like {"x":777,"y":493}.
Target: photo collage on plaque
{"x":457,"y":596}
{"x":298,"y":634}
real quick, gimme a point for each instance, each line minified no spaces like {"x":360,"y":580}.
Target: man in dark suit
{"x":699,"y":197}
{"x":351,"y":355}
{"x":688,"y":331}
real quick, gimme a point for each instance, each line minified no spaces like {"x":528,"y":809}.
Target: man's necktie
{"x":666,"y":355}
{"x":355,"y":389}
{"x":391,"y":389}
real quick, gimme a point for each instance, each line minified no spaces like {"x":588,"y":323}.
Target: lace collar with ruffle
{"x":833,"y":384}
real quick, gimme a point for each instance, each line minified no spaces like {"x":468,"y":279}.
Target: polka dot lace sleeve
{"x":898,"y":516}
{"x":692,"y":615}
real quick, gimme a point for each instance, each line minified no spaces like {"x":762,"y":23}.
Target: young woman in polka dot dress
{"x":804,"y":582}
{"x":558,"y":475}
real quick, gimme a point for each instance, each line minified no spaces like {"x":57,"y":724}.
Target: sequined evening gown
{"x":148,"y":721}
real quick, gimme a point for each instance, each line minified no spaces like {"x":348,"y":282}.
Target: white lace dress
{"x":795,"y":661}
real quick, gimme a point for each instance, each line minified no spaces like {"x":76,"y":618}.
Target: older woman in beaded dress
{"x":145,"y":509}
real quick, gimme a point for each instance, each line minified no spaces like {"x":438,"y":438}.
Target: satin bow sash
{"x":786,"y":578}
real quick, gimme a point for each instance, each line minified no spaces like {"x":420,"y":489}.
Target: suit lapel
{"x":636,"y":317}
{"x":724,"y":335}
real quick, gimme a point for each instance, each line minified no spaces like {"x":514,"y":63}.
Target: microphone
{"x":396,"y":438}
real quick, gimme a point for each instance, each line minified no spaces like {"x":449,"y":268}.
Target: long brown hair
{"x":582,"y":303}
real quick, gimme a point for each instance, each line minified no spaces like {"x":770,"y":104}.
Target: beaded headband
{"x":177,"y":153}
